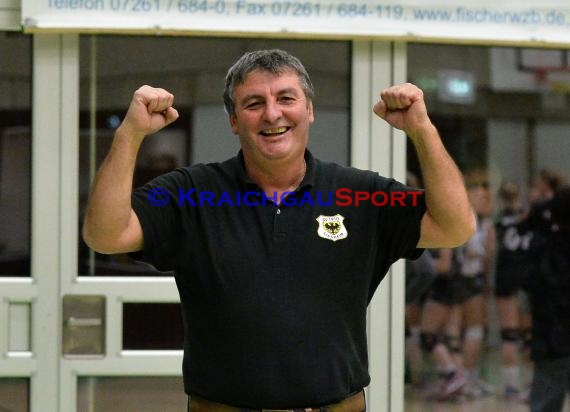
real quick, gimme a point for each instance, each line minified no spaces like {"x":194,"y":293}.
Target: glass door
{"x":121,"y":324}
{"x":503,"y":114}
{"x":17,"y":289}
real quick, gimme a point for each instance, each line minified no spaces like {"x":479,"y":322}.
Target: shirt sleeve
{"x":156,"y":206}
{"x":400,"y":219}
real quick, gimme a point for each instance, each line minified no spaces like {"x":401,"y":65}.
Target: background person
{"x":420,"y":274}
{"x":450,"y":378}
{"x":550,"y":305}
{"x":510,"y":282}
{"x":473,"y":262}
{"x":454,"y":317}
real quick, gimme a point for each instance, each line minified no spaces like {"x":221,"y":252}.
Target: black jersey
{"x":514,"y":237}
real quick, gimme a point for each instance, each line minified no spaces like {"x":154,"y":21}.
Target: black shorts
{"x":510,"y":280}
{"x":441,"y":290}
{"x":455,"y":290}
{"x":508,"y":284}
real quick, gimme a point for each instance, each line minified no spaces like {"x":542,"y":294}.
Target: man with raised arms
{"x":273,"y":296}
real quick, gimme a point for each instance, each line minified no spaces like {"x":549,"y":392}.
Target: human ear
{"x":233,"y":123}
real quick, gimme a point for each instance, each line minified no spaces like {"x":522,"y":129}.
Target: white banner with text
{"x":509,"y":21}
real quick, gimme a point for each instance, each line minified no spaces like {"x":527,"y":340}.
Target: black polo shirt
{"x":274,"y":297}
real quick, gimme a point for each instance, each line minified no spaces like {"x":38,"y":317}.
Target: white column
{"x":376,"y":146}
{"x":46,"y":218}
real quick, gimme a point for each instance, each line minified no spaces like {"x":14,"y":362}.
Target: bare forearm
{"x":449,"y":220}
{"x":446,"y":198}
{"x":111,"y":226}
{"x":108,"y":210}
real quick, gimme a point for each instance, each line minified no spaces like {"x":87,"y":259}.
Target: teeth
{"x":277,"y":130}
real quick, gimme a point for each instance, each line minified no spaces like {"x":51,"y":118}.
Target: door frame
{"x":55,"y":234}
{"x":377,"y":146}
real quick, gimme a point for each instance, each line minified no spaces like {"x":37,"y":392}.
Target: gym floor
{"x":414,"y":402}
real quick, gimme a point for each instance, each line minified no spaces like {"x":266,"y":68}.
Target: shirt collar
{"x":307,"y":182}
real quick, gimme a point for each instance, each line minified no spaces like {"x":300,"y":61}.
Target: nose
{"x":272,"y":111}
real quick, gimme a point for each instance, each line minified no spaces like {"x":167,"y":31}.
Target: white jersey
{"x":471,"y":256}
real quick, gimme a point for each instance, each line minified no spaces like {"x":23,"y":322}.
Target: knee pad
{"x":428,"y":341}
{"x":511,"y":335}
{"x":475,"y":332}
{"x":453,"y":343}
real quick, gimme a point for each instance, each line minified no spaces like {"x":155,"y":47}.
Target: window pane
{"x":193,"y":69}
{"x":14,"y":394}
{"x":503,"y":115}
{"x":15,"y":154}
{"x":141,"y":394}
{"x":164,"y":319}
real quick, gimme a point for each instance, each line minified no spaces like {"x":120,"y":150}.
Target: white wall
{"x":212,"y":139}
{"x":552,"y":142}
{"x":10,"y":14}
{"x":508,"y":152}
{"x":512,"y":156}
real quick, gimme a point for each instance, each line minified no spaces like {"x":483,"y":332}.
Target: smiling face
{"x":272,"y":116}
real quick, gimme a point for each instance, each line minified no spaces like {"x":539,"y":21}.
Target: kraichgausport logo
{"x":343,"y":196}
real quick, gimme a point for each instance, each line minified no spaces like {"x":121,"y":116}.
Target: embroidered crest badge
{"x":332,"y":227}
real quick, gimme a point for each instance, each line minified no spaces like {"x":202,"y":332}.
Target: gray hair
{"x":275,"y":61}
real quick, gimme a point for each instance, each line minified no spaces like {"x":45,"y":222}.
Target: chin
{"x":275,"y":156}
{"x":277,"y":152}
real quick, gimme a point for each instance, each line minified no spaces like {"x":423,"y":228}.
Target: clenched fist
{"x":150,"y":110}
{"x":403,"y":107}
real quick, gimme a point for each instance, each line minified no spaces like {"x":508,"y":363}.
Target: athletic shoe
{"x":477,"y":388}
{"x":451,"y":385}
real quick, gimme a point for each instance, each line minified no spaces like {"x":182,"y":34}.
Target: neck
{"x":277,"y":176}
